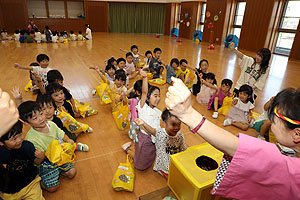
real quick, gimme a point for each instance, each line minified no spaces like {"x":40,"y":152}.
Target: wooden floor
{"x":97,"y":167}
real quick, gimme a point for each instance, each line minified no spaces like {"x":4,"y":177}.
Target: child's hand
{"x":16,"y":93}
{"x":17,"y":65}
{"x":95,"y":68}
{"x":70,"y":141}
{"x":231,"y":45}
{"x":234,"y":101}
{"x":105,"y":62}
{"x":139,"y":121}
{"x":39,"y":154}
{"x":143,"y":73}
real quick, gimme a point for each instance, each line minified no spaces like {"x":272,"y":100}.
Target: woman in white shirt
{"x":88,"y":32}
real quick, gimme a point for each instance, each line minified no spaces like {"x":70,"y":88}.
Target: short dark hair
{"x":137,"y":87}
{"x":27,"y":108}
{"x":34,"y":64}
{"x":174,"y":60}
{"x":71,"y":32}
{"x":183,"y":61}
{"x":111,"y":60}
{"x":53,"y":87}
{"x":110,"y":66}
{"x":46,"y":27}
{"x":17,"y":31}
{"x":119,"y":75}
{"x":44,"y":99}
{"x":42,"y":57}
{"x":211,"y":76}
{"x":248,"y":90}
{"x":134,"y":47}
{"x":120,"y":60}
{"x":129,"y":54}
{"x":201,"y":61}
{"x":166,"y":115}
{"x":151,"y":89}
{"x":226,"y":82}
{"x":148,"y":52}
{"x":79,"y":32}
{"x":15,"y":130}
{"x":54,"y":75}
{"x":156,"y":50}
{"x":287,"y":103}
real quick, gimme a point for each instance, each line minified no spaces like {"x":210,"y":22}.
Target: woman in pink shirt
{"x":251,"y":168}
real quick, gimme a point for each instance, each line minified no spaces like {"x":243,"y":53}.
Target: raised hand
{"x":16,"y":93}
{"x":143,"y":73}
{"x":178,"y":99}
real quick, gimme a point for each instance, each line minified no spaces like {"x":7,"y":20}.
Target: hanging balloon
{"x":188,"y":24}
{"x":220,"y":12}
{"x":216,"y":18}
{"x":210,"y":25}
{"x":207,"y":14}
{"x":181,"y":21}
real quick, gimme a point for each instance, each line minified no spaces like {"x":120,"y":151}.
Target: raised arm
{"x":178,"y":102}
{"x":100,"y":72}
{"x":238,"y":53}
{"x":123,"y":50}
{"x":39,"y":82}
{"x":193,"y":69}
{"x":209,"y":84}
{"x":267,"y":105}
{"x":145,"y":126}
{"x":144,"y":88}
{"x":17,"y":95}
{"x":18,"y":66}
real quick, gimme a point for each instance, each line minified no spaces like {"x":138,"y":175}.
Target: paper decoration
{"x":207,"y":14}
{"x":186,"y":15}
{"x":216,"y":18}
{"x":220,"y":12}
{"x":210,"y":25}
{"x":181,"y":21}
{"x":188,"y":24}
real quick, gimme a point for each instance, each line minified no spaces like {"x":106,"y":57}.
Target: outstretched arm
{"x":238,"y":53}
{"x":123,"y":50}
{"x":18,"y":66}
{"x":178,"y":102}
{"x":146,"y":126}
{"x":100,"y":72}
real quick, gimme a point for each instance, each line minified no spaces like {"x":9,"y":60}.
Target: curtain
{"x":136,"y":17}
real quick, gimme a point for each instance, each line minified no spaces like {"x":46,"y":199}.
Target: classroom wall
{"x":295,"y":51}
{"x":189,"y":8}
{"x":217,"y":34}
{"x":257,"y":24}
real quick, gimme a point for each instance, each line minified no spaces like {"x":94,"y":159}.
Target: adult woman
{"x":250,"y":169}
{"x":31,"y":26}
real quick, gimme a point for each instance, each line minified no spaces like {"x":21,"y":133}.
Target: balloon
{"x":216,"y":18}
{"x":210,"y":25}
{"x":207,"y":14}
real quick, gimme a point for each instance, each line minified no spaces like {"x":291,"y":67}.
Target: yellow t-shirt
{"x":179,"y":72}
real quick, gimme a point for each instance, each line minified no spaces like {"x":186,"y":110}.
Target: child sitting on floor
{"x":216,"y":100}
{"x":239,"y":113}
{"x":201,"y":71}
{"x":41,"y":134}
{"x":208,"y":88}
{"x":171,"y":70}
{"x":262,"y":123}
{"x":73,"y":36}
{"x":155,"y":65}
{"x":182,"y":70}
{"x":169,"y":140}
{"x":135,"y":53}
{"x":148,"y":57}
{"x":144,"y":154}
{"x":17,"y":35}
{"x":19,"y":178}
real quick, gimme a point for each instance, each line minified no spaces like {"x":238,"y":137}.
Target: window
{"x":288,"y":27}
{"x":202,"y":19}
{"x":56,"y":9}
{"x":36,"y":9}
{"x":75,"y":9}
{"x":238,"y":18}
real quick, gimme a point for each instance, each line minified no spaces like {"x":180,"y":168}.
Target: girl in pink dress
{"x":209,"y":88}
{"x":216,"y":100}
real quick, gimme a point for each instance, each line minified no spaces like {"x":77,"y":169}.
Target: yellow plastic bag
{"x":103,"y":91}
{"x":227,"y":104}
{"x":158,"y":81}
{"x":70,"y":123}
{"x":85,"y":109}
{"x":189,"y":79}
{"x":59,"y":152}
{"x":28,"y":86}
{"x":121,"y":117}
{"x":124,"y":176}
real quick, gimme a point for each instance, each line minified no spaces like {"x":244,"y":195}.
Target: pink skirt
{"x":145,"y":152}
{"x":238,"y":115}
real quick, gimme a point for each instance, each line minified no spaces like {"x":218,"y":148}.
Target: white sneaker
{"x":89,"y":130}
{"x":94,"y":92}
{"x":215,"y":115}
{"x":227,"y":122}
{"x":82,"y":147}
{"x":126,"y":146}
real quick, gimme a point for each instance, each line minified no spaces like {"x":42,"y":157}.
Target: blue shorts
{"x":49,"y":173}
